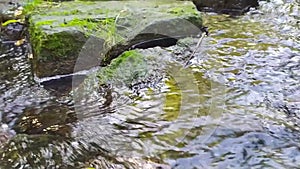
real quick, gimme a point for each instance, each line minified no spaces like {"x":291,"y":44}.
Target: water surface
{"x":235,"y":106}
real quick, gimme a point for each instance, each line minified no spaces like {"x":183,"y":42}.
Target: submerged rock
{"x":26,"y":151}
{"x":59,"y":31}
{"x":12,"y":32}
{"x":233,"y":7}
{"x":45,"y":120}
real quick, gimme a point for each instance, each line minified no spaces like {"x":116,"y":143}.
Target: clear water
{"x":235,"y":106}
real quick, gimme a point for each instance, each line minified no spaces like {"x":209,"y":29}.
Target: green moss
{"x":62,"y":45}
{"x":179,"y":11}
{"x":105,"y":29}
{"x":127,"y":67}
{"x":44,"y":22}
{"x":52,"y":39}
{"x":109,"y":32}
{"x":36,"y":36}
{"x":82,"y":23}
{"x":39,"y":7}
{"x":189,"y":12}
{"x":196,"y":20}
{"x":100,"y":11}
{"x":31,"y":6}
{"x":64,"y":13}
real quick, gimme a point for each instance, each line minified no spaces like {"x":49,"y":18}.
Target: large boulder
{"x":225,"y":6}
{"x":59,"y":32}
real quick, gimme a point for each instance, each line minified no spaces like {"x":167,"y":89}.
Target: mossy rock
{"x":58,"y":31}
{"x":127,"y":68}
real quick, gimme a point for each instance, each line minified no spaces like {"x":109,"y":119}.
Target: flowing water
{"x":236,"y":105}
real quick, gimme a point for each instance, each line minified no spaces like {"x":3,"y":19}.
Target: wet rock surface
{"x":233,"y":7}
{"x":13,"y":32}
{"x":7,"y":10}
{"x":258,"y":126}
{"x":46,"y":120}
{"x":59,"y":34}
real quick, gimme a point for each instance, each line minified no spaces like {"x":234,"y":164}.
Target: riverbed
{"x":236,"y":105}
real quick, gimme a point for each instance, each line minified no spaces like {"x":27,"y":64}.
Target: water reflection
{"x":236,"y":106}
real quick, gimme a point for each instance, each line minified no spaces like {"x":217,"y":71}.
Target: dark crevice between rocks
{"x":141,"y":41}
{"x":62,"y":86}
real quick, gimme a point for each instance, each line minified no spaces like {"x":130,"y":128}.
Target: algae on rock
{"x":127,"y":68}
{"x":59,"y":32}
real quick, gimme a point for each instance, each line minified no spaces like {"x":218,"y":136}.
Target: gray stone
{"x":7,"y":10}
{"x":61,"y":33}
{"x":234,"y":7}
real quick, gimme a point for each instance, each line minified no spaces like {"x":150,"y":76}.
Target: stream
{"x":236,"y":105}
